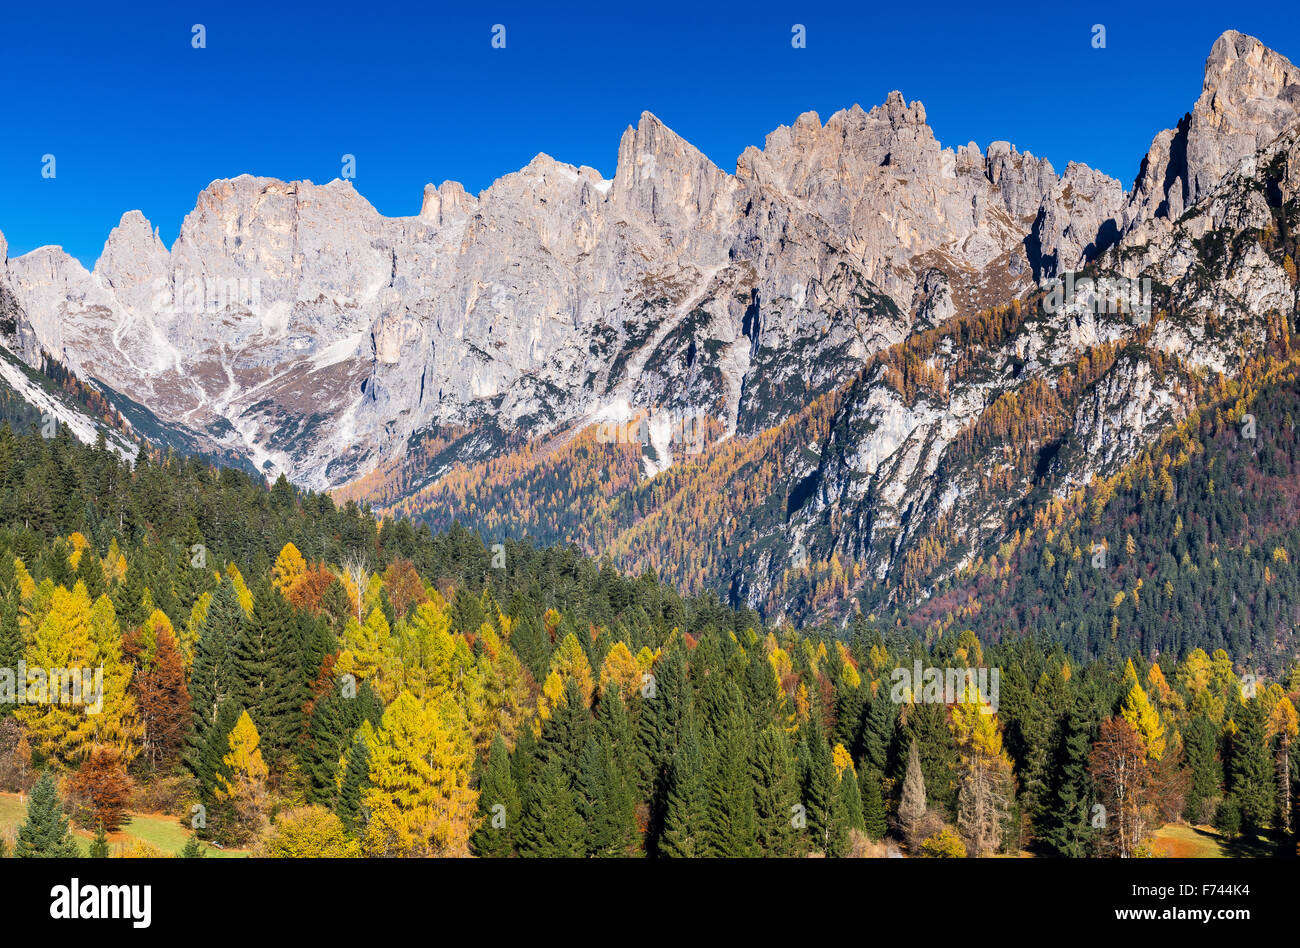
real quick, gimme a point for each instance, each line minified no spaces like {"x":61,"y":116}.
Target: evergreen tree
{"x":333,"y":724}
{"x":498,"y":805}
{"x":729,"y":815}
{"x":45,"y":832}
{"x":686,"y":801}
{"x":776,"y":793}
{"x":356,"y":781}
{"x":1250,"y":769}
{"x":549,"y":825}
{"x":874,"y":820}
{"x":878,"y":732}
{"x":1201,"y":747}
{"x":565,"y":732}
{"x":1064,"y":819}
{"x":848,"y":811}
{"x":604,"y":801}
{"x":99,"y":845}
{"x":820,"y":790}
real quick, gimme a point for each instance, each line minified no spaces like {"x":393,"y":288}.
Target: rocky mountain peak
{"x":132,"y":254}
{"x":446,"y":202}
{"x":663,"y":178}
{"x":1250,"y":95}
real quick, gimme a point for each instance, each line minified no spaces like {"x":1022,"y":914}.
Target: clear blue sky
{"x":137,"y":118}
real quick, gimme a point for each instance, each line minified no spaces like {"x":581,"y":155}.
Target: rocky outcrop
{"x":1250,"y":95}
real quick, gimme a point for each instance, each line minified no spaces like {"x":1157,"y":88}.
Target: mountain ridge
{"x":294,"y":325}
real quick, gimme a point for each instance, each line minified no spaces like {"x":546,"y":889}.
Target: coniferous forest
{"x":284,"y":676}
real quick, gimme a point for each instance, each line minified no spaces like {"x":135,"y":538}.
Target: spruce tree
{"x":1205,"y":771}
{"x":686,"y":802}
{"x":1250,"y":769}
{"x":775,"y":793}
{"x":1064,"y":817}
{"x":356,"y":780}
{"x":549,"y":825}
{"x":874,"y":820}
{"x":660,"y":722}
{"x":565,"y":732}
{"x":820,"y":788}
{"x":730,"y":820}
{"x":12,"y":645}
{"x":498,"y":805}
{"x":604,"y":800}
{"x":334,"y":721}
{"x":45,"y":833}
{"x":848,"y":812}
{"x":99,"y":845}
{"x":878,"y":732}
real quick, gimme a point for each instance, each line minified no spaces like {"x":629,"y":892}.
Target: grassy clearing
{"x":1178,"y":840}
{"x":156,"y":829}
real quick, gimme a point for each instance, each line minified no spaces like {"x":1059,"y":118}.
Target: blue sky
{"x":137,"y":118}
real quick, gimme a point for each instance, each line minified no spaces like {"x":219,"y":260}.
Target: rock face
{"x":295,"y":325}
{"x":1251,"y":94}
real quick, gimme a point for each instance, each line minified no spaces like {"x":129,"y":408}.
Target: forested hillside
{"x":286,"y":676}
{"x":1192,"y":545}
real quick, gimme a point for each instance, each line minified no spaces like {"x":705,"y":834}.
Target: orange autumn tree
{"x":404,"y":586}
{"x":158,"y":684}
{"x":100,"y":789}
{"x":1121,"y":768}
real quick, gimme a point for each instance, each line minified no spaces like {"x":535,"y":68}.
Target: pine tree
{"x":1250,"y":769}
{"x":498,"y":805}
{"x":549,"y":826}
{"x":874,"y":820}
{"x":604,"y":801}
{"x":99,"y":845}
{"x":775,"y":793}
{"x":686,"y":802}
{"x":1201,"y":747}
{"x":192,"y":849}
{"x":45,"y":833}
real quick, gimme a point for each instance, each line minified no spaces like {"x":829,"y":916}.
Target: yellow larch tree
{"x":420,"y":802}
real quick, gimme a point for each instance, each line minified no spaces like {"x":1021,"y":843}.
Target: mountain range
{"x":842,"y":373}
